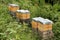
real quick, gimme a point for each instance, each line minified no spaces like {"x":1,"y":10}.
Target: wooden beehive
{"x":44,"y":25}
{"x":23,"y":14}
{"x":13,"y":7}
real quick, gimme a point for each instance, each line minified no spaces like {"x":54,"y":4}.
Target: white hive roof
{"x":42,"y":20}
{"x":23,"y":11}
{"x":13,"y":5}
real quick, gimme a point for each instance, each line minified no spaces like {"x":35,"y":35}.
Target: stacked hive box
{"x":13,"y":8}
{"x":23,"y":15}
{"x":44,"y":27}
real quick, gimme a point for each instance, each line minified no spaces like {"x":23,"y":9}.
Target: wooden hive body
{"x":18,"y":15}
{"x":34,"y":24}
{"x":13,"y":7}
{"x":28,"y":15}
{"x":44,"y":25}
{"x":23,"y":15}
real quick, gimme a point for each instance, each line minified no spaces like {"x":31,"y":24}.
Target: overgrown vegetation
{"x":11,"y":30}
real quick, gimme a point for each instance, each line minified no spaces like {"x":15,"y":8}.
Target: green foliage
{"x":56,"y":7}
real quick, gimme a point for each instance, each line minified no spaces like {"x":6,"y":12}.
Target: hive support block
{"x":47,"y":35}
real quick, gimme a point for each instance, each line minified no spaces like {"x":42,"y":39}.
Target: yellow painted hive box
{"x":18,"y":15}
{"x":44,"y":25}
{"x":34,"y":24}
{"x":13,"y":7}
{"x":23,"y":14}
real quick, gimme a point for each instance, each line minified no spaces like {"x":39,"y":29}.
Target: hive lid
{"x":45,"y":21}
{"x":13,"y":5}
{"x":49,"y":21}
{"x":37,"y":18}
{"x":42,"y":20}
{"x":23,"y":11}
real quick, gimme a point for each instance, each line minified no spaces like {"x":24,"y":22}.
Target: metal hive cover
{"x":37,"y":18}
{"x":49,"y":21}
{"x":23,"y":11}
{"x":13,"y":5}
{"x":42,"y":20}
{"x":45,"y":21}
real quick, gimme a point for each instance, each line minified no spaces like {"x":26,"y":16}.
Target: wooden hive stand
{"x":23,"y":16}
{"x":12,"y":9}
